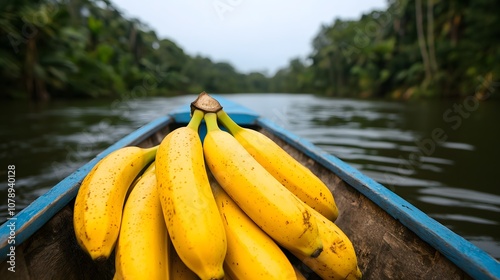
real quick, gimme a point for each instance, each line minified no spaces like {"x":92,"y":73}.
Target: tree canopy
{"x":414,"y":48}
{"x":88,"y":48}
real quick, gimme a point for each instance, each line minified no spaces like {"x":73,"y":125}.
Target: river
{"x":438,"y":155}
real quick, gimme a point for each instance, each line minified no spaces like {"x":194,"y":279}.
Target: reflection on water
{"x":445,"y":169}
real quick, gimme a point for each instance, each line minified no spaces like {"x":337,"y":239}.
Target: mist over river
{"x":440,"y":155}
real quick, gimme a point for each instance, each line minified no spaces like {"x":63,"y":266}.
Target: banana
{"x":292,"y":174}
{"x":118,"y":276}
{"x":265,"y":200}
{"x":251,"y":253}
{"x":299,"y":274}
{"x":193,"y":221}
{"x":142,"y":248}
{"x":99,"y":202}
{"x":338,"y":260}
{"x":178,"y":270}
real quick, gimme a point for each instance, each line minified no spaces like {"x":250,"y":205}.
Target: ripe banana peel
{"x":142,"y":251}
{"x":291,"y":173}
{"x":179,"y":270}
{"x":299,"y":274}
{"x":100,"y":199}
{"x":264,"y":199}
{"x":338,"y":260}
{"x":193,"y":221}
{"x":251,"y":253}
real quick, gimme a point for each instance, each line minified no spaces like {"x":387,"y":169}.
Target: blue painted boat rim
{"x":473,"y":260}
{"x":464,"y":254}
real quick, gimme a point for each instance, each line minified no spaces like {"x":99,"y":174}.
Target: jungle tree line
{"x":88,"y":48}
{"x":414,"y":48}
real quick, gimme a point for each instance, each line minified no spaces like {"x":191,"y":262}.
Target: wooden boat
{"x":392,"y":238}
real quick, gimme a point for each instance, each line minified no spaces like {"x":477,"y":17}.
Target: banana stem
{"x":151,"y":153}
{"x":195,"y":121}
{"x":228,"y":122}
{"x":211,"y":120}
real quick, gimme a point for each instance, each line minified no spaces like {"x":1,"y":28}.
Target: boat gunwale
{"x":467,"y":256}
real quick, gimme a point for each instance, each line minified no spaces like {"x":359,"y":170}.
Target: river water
{"x":441,"y":156}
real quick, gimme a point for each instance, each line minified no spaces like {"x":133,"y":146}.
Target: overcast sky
{"x":252,"y":35}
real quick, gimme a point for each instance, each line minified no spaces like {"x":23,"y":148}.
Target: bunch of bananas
{"x":226,"y":208}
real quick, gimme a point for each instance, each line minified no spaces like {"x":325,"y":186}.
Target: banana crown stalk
{"x":291,"y":173}
{"x":268,"y":203}
{"x":193,"y":221}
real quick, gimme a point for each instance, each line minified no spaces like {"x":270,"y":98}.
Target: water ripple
{"x":461,"y":195}
{"x":464,"y":218}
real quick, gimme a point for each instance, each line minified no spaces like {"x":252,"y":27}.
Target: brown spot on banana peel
{"x":332,"y":248}
{"x":306,"y":219}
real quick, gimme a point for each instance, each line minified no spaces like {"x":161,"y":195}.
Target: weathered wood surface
{"x":53,"y":253}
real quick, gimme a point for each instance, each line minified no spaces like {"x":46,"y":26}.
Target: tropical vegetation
{"x":88,"y":48}
{"x":415,"y":48}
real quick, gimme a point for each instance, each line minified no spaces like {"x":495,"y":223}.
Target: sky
{"x":251,"y":35}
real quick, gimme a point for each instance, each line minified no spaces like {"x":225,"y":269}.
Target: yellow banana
{"x":179,"y":270}
{"x":299,"y":274}
{"x":142,"y":248}
{"x":338,"y":260}
{"x":100,"y":199}
{"x":83,"y":187}
{"x":292,"y":174}
{"x":189,"y":207}
{"x":265,"y":200}
{"x":117,"y":276}
{"x":251,"y":253}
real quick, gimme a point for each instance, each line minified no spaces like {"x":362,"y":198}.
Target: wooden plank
{"x":52,"y":252}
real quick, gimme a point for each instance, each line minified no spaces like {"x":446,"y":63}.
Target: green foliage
{"x":87,"y":48}
{"x":380,"y":54}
